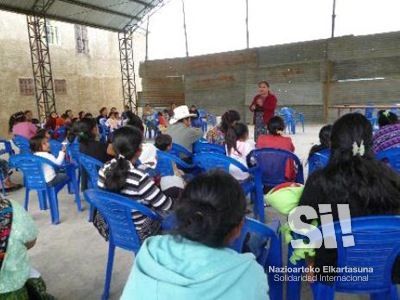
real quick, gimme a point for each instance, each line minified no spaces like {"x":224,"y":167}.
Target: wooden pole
{"x":247,"y":25}
{"x":184,"y":27}
{"x":147,"y":38}
{"x":333,"y":19}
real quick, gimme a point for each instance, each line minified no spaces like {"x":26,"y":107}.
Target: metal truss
{"x":40,"y":56}
{"x":127,"y":69}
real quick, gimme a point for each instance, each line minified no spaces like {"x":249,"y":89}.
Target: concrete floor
{"x":72,"y":256}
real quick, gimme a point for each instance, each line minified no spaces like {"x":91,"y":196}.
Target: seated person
{"x":6,"y":173}
{"x":180,"y":130}
{"x":170,"y":185}
{"x":216,"y":135}
{"x":324,"y":141}
{"x":354,"y":177}
{"x":113,"y":122}
{"x":238,"y":146}
{"x":18,"y":125}
{"x":162,"y":123}
{"x":40,"y":146}
{"x":120,"y":176}
{"x":388,"y":134}
{"x":18,"y":234}
{"x":194,"y":260}
{"x":276,"y":140}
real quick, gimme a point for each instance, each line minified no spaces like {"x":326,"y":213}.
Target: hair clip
{"x":386,"y":113}
{"x":358,"y":149}
{"x":120,"y":156}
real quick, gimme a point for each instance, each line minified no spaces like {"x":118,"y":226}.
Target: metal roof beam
{"x":143,"y":3}
{"x":101,"y":9}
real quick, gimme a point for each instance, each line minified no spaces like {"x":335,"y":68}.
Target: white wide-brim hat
{"x":181,"y":112}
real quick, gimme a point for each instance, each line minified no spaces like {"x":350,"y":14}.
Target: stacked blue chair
{"x":92,"y":167}
{"x":151,"y":126}
{"x":272,"y":165}
{"x":211,"y":119}
{"x":7,"y":149}
{"x":204,"y":146}
{"x":288,"y":116}
{"x":318,"y":160}
{"x":73,"y":156}
{"x":376,"y":247}
{"x":270,"y":253}
{"x":117,"y":211}
{"x":390,"y":156}
{"x":252,"y":186}
{"x":32,"y":169}
{"x":22,"y":143}
{"x":202,"y":120}
{"x":299,"y":118}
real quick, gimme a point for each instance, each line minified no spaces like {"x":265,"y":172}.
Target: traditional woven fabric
{"x":5,"y":227}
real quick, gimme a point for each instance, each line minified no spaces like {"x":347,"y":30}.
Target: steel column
{"x":41,"y":63}
{"x":127,"y":68}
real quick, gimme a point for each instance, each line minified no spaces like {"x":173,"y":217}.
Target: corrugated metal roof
{"x":114,"y":15}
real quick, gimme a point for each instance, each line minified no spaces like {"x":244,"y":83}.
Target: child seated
{"x":40,"y":146}
{"x":171,"y":185}
{"x":238,"y":146}
{"x":195,"y":260}
{"x":113,"y":121}
{"x":276,"y":140}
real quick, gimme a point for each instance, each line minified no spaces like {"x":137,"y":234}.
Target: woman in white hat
{"x":180,"y":130}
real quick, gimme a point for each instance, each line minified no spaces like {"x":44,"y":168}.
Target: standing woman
{"x":263,"y":106}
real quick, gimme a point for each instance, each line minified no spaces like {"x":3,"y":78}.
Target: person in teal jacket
{"x":194,"y":262}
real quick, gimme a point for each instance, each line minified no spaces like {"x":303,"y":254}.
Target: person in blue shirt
{"x":194,"y":261}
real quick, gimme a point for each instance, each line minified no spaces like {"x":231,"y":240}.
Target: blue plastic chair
{"x":151,"y":123}
{"x":252,"y":186}
{"x":60,"y":133}
{"x":180,"y":151}
{"x":377,"y":245}
{"x":117,"y":211}
{"x":92,"y":167}
{"x":287,"y":115}
{"x":204,"y":146}
{"x":369,"y":114}
{"x":212,"y":120}
{"x":318,"y":160}
{"x":7,"y":149}
{"x":55,"y":147}
{"x":299,"y":118}
{"x":22,"y":143}
{"x":270,"y":255}
{"x":164,"y":163}
{"x":390,"y":156}
{"x":272,"y":165}
{"x":32,"y":169}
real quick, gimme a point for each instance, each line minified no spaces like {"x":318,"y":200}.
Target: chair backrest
{"x":55,"y":147}
{"x":180,"y":151}
{"x":117,"y":211}
{"x":377,"y":244}
{"x":60,"y":133}
{"x":73,"y":151}
{"x":92,"y":167}
{"x":32,"y":167}
{"x":22,"y":143}
{"x":369,"y":112}
{"x":202,"y":113}
{"x":7,"y":148}
{"x":164,"y":163}
{"x":211,"y":161}
{"x":391,"y":156}
{"x":204,"y":146}
{"x":272,"y":164}
{"x":211,"y":119}
{"x":318,"y":161}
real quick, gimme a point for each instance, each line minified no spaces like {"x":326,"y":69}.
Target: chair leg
{"x":110,"y":262}
{"x":53,"y":202}
{"x":26,"y":202}
{"x":42,"y":200}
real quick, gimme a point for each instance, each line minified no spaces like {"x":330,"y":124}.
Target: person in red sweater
{"x":263,"y":106}
{"x":276,"y":140}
